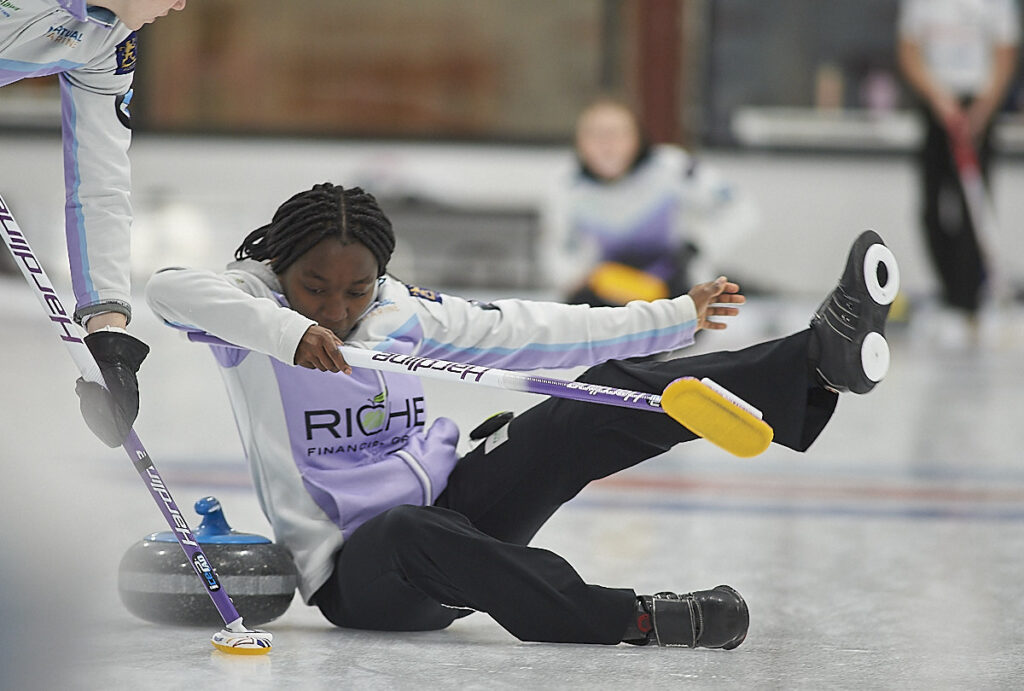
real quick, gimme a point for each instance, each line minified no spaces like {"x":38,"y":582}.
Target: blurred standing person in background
{"x":959,"y":57}
{"x":635,"y":220}
{"x":92,"y":46}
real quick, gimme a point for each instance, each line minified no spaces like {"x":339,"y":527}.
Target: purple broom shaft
{"x":186,"y":538}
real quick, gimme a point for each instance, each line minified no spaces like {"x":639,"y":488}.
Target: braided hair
{"x":350,"y":215}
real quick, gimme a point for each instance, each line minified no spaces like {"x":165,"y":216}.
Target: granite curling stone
{"x":157,"y":582}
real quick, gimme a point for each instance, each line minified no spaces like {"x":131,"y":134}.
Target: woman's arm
{"x":526,"y":335}
{"x":236,"y":306}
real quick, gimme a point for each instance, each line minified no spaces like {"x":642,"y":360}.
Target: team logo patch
{"x":126,"y":53}
{"x":423,"y":293}
{"x":121,"y":104}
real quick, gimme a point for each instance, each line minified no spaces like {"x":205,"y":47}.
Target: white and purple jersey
{"x":330,"y":451}
{"x":94,"y":54}
{"x":667,"y":200}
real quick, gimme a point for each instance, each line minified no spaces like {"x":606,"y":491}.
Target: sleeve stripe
{"x":539,"y":354}
{"x":85,"y":293}
{"x":15,"y":70}
{"x":410,"y":330}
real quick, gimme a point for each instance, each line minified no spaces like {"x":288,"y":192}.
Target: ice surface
{"x":888,"y":556}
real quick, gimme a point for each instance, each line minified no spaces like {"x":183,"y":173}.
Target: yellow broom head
{"x":710,"y":411}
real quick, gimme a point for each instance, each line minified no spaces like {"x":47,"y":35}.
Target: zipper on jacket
{"x":420,"y":473}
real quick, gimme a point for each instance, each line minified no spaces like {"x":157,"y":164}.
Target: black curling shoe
{"x":848,"y":349}
{"x":716,"y":618}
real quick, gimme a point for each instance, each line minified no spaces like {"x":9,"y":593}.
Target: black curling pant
{"x":951,"y":237}
{"x":417,"y":568}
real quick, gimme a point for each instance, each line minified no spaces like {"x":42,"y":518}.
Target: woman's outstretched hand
{"x":714,"y":299}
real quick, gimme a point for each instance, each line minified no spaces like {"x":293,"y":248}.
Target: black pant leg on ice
{"x":408,"y":568}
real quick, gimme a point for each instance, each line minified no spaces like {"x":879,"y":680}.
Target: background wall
{"x":471,"y":106}
{"x":502,"y":70}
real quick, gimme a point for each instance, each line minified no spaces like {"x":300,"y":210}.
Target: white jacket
{"x":666,"y":200}
{"x":330,"y":451}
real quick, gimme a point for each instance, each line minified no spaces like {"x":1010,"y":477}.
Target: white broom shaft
{"x":42,"y":286}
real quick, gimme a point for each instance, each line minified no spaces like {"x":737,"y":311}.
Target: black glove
{"x":111,"y":414}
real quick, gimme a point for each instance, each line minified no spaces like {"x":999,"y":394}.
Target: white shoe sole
{"x":874,"y":356}
{"x":880,"y":254}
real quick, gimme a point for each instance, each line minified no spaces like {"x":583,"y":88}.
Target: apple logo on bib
{"x":372,"y":416}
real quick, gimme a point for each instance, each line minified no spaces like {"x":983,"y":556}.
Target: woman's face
{"x":607,"y":140}
{"x":332,"y":284}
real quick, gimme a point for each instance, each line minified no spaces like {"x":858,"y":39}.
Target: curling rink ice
{"x":889,"y":556}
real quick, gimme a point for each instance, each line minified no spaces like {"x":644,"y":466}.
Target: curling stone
{"x":157,"y":583}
